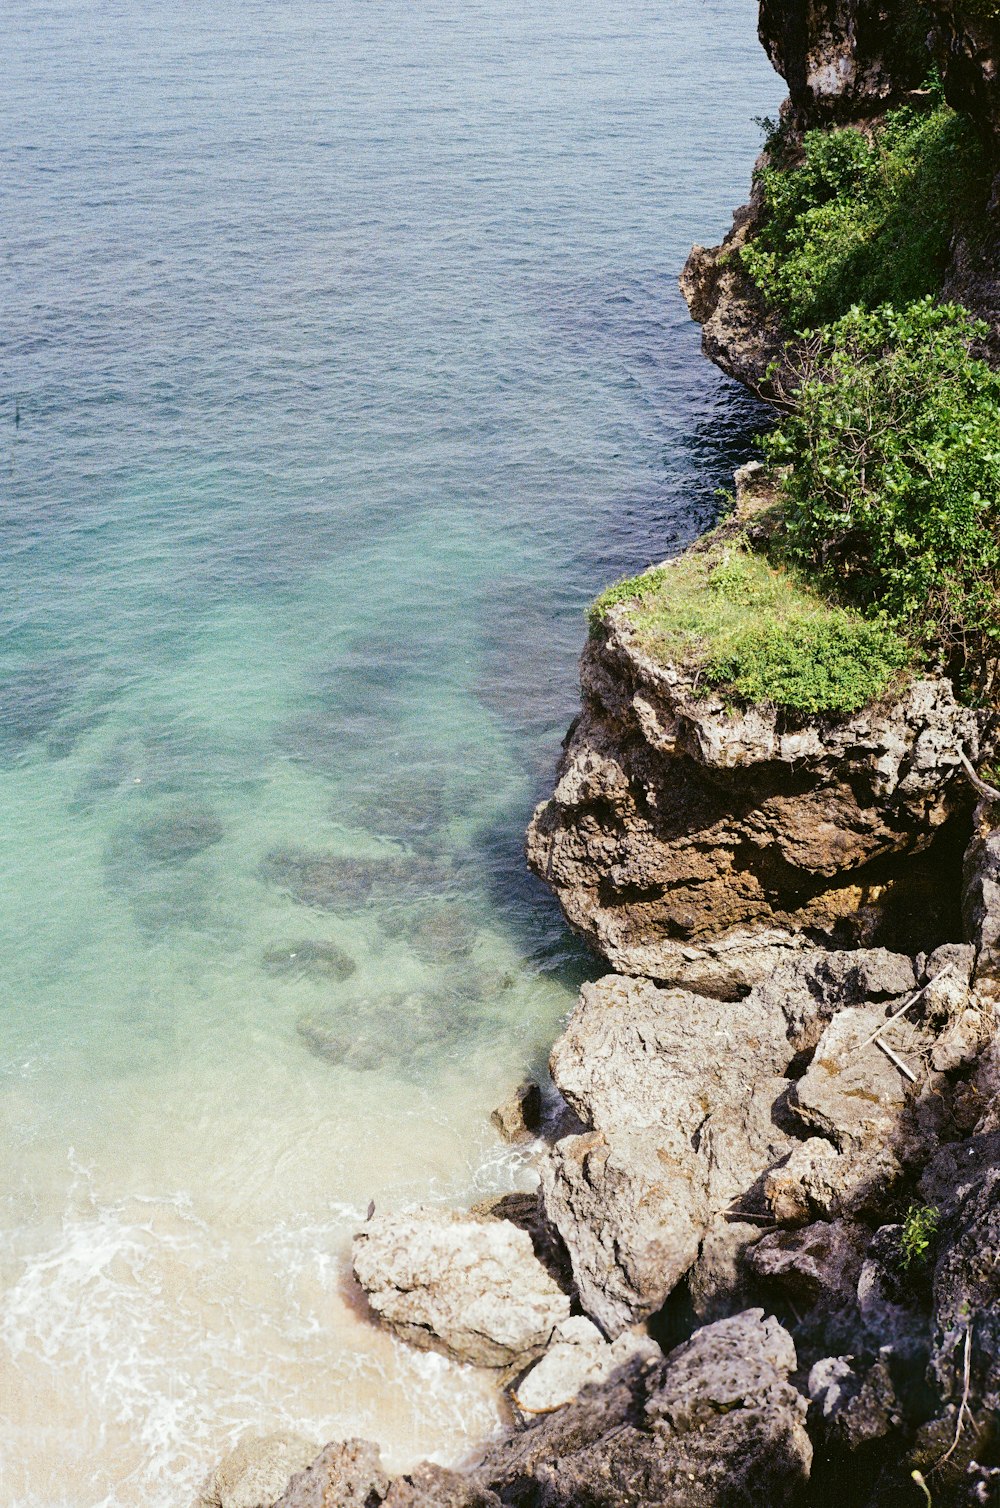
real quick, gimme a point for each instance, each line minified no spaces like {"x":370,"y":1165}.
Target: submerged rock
{"x":308,"y":959}
{"x":172,"y":836}
{"x":412,"y":1032}
{"x":330,"y":882}
{"x":473,"y":1288}
{"x":256,"y":1472}
{"x":678,"y":824}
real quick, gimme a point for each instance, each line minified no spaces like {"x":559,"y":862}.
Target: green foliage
{"x":633,"y":589}
{"x":918,"y":1233}
{"x":833,"y":664}
{"x":866,"y":216}
{"x":759,"y":633}
{"x":893,"y":499}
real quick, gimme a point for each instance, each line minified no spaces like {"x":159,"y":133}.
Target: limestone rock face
{"x":256,"y":1472}
{"x":679,"y":1092}
{"x":738,"y":330}
{"x":716,"y":1423}
{"x":470,"y":1287}
{"x":843,"y":59}
{"x":966,"y":42}
{"x":679,"y":826}
{"x":981,"y":900}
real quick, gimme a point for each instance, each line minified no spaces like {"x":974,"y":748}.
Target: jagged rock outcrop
{"x":679,"y":1102}
{"x":739,"y":332}
{"x":679,"y":825}
{"x":845,"y":59}
{"x":682,"y":1098}
{"x":717,"y":1423}
{"x":466,"y":1285}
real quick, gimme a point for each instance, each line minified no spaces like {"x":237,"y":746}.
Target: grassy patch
{"x":865,"y":217}
{"x":758,"y":633}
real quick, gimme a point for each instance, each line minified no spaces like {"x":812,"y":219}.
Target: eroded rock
{"x":820,"y":1261}
{"x":678,"y":824}
{"x":470,"y":1287}
{"x":345,"y":1474}
{"x":716,"y":1423}
{"x":679,"y":1092}
{"x":578,"y":1355}
{"x":256,"y":1472}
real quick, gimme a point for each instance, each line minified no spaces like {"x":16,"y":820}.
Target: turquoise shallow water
{"x":342,"y":362}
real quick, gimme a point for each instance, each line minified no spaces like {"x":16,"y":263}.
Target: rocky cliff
{"x":680,"y":827}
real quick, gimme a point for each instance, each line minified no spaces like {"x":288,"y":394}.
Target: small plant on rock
{"x":918,"y":1233}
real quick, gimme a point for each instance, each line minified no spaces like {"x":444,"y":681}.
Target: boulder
{"x":430,"y":1486}
{"x":808,"y":1182}
{"x":577,"y":1356}
{"x":679,"y":823}
{"x":471,"y":1287}
{"x":346,"y":1474}
{"x":852,"y":1092}
{"x":820,"y":1262}
{"x":255,"y":1473}
{"x":678,"y":1091}
{"x":718,"y":1283}
{"x":519,"y":1118}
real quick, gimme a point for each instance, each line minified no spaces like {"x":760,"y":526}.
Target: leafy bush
{"x":918,"y":1233}
{"x":758,"y":633}
{"x":865,"y":217}
{"x":893,"y":499}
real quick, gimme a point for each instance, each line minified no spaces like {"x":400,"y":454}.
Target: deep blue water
{"x":341,"y":363}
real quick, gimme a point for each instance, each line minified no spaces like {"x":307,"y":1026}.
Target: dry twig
{"x":906,"y":1072}
{"x":905,"y":1006}
{"x":963,"y":1407}
{"x":989,"y":791}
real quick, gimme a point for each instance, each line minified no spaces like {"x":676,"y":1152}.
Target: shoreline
{"x":756,"y":1260}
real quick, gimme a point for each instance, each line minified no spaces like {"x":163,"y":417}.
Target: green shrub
{"x":918,"y":1233}
{"x":865,"y":217}
{"x":758,"y":633}
{"x":893,"y":498}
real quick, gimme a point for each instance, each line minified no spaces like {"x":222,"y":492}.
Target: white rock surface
{"x":578,"y":1357}
{"x":470,"y":1287}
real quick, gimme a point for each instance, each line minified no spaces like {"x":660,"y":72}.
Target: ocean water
{"x":341,"y":363}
